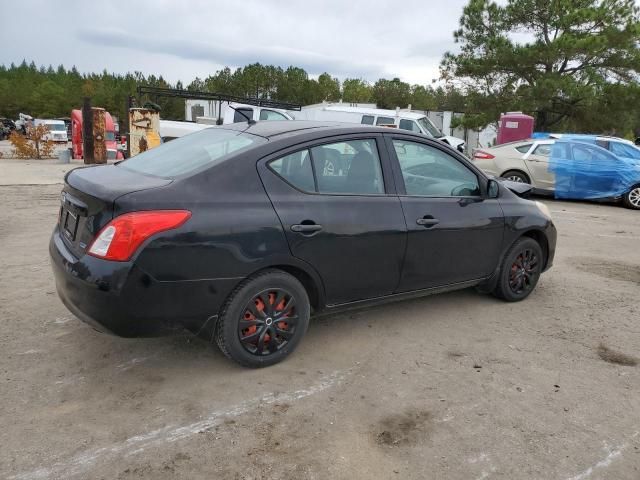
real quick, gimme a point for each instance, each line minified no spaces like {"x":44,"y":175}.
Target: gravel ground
{"x":456,"y":386}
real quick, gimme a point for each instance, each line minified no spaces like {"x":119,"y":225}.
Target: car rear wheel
{"x":264,"y":319}
{"x":632,"y":198}
{"x":516,"y":176}
{"x":520,"y":270}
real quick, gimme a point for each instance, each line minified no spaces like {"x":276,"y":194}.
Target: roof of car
{"x":273,"y":128}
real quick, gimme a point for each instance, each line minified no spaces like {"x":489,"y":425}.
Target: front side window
{"x":428,"y":171}
{"x":385,"y":121}
{"x":429,"y":128}
{"x":367,"y":120}
{"x":205,"y":148}
{"x":587,"y":154}
{"x":623,"y":150}
{"x":271,"y":115}
{"x":409,"y":125}
{"x":239,"y":118}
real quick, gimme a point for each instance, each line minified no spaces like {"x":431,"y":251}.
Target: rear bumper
{"x":121,"y":299}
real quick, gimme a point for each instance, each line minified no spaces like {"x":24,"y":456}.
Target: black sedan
{"x":239,"y":233}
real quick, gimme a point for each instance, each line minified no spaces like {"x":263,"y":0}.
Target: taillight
{"x":482,"y":155}
{"x":122,"y":236}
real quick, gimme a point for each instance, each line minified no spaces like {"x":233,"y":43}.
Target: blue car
{"x":591,"y":168}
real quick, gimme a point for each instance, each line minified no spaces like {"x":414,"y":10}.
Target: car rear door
{"x":454,"y":232}
{"x":537,"y":160}
{"x":336,"y":200}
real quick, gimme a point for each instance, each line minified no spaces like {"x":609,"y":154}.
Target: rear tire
{"x":264,"y":319}
{"x":516,"y":176}
{"x":631,"y":199}
{"x":520,"y":270}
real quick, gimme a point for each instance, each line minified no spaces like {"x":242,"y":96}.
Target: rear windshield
{"x":205,"y":148}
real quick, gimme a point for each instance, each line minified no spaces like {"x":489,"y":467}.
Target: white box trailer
{"x":403,"y":120}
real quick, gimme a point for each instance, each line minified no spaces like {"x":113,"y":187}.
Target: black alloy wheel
{"x":263,"y":319}
{"x":268,"y":322}
{"x":523,"y":271}
{"x":520,"y":270}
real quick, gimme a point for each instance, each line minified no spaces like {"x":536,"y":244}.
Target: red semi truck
{"x":110,"y":136}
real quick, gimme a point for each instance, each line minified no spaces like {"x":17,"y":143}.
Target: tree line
{"x":47,"y":92}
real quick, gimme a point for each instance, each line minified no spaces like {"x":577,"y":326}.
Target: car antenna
{"x":250,"y":121}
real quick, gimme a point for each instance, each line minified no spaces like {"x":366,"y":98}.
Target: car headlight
{"x":544,"y":209}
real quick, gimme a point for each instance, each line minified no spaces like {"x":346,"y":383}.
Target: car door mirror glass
{"x":493,"y":189}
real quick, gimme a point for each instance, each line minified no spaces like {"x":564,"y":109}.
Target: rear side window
{"x":239,"y":118}
{"x":296,"y":169}
{"x":385,"y":121}
{"x":187,"y":154}
{"x":348,"y":167}
{"x":367,"y":120}
{"x":524,"y":148}
{"x":351,"y":167}
{"x":543,"y":150}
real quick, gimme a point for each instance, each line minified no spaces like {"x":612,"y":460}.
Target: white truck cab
{"x":412,"y":121}
{"x":57,"y":130}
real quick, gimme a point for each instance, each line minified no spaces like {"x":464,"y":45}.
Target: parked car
{"x":527,"y":161}
{"x":243,"y":231}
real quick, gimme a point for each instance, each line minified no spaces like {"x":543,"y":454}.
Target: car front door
{"x":454,"y":232}
{"x":336,"y":201}
{"x":537,"y":161}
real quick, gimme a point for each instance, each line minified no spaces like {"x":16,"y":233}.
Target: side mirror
{"x":493,"y":189}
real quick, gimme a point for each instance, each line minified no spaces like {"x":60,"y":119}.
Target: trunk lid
{"x":88,"y":200}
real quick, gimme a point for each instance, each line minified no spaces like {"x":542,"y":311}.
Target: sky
{"x":184,"y":39}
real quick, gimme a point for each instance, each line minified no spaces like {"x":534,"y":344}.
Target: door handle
{"x":427,"y":221}
{"x":306,"y":228}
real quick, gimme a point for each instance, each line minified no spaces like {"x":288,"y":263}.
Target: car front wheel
{"x":632,"y":198}
{"x":520,"y":270}
{"x":264,"y":319}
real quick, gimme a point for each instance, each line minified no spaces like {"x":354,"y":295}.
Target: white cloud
{"x":182,"y":40}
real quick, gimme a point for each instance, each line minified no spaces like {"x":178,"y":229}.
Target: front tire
{"x":632,"y":198}
{"x":520,"y":270}
{"x":516,"y":176}
{"x":264,"y":319}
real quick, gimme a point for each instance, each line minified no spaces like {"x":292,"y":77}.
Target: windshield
{"x":429,"y":128}
{"x":56,"y":127}
{"x":109,"y":136}
{"x":205,"y":148}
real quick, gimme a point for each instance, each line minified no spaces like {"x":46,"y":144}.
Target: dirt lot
{"x":457,"y":386}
